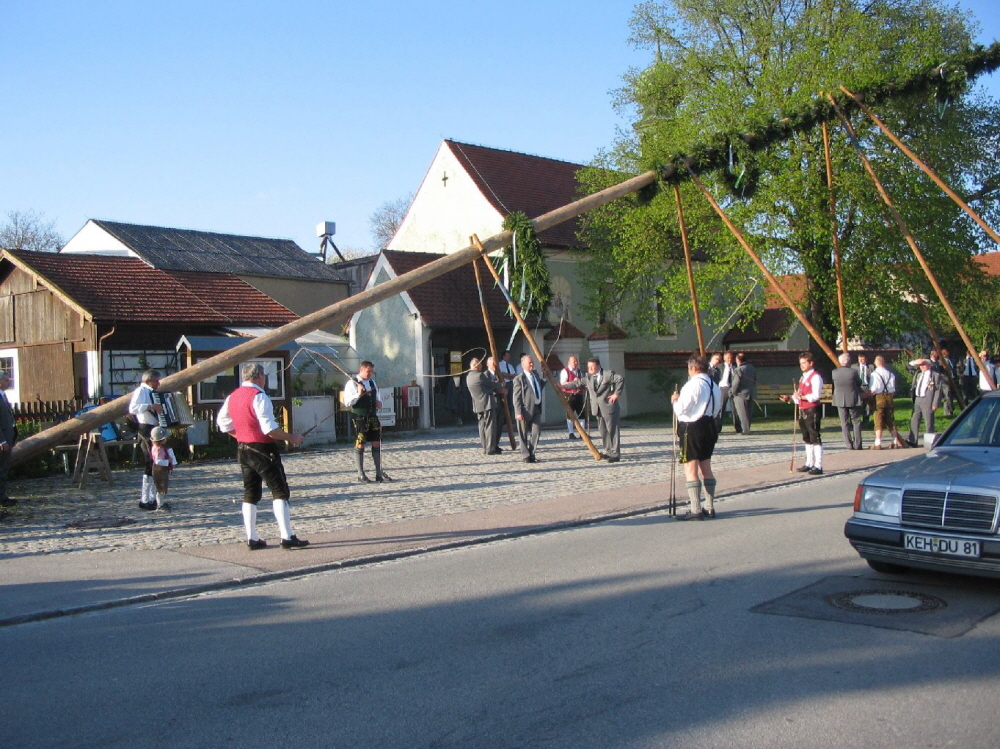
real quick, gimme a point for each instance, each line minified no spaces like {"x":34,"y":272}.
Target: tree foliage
{"x":730,"y":66}
{"x":28,"y":230}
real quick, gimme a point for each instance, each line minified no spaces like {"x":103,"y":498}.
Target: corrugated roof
{"x":534,"y":185}
{"x":124,"y":289}
{"x":208,"y":252}
{"x":451,"y":300}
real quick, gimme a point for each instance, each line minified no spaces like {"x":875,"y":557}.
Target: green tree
{"x":728,"y":67}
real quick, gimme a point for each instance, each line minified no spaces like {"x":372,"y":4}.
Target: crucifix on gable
{"x":444,"y":179}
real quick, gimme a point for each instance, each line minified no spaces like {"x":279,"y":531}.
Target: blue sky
{"x":267,"y":119}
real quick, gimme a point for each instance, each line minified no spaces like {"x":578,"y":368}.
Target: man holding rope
{"x":248,"y":415}
{"x":361,"y":395}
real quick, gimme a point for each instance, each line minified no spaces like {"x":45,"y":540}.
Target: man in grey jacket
{"x":528,"y":389}
{"x":743,"y":393}
{"x":847,"y":399}
{"x":484,"y":391}
{"x":604,"y":389}
{"x":926,"y":398}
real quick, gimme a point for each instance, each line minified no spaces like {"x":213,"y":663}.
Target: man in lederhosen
{"x":697,"y":406}
{"x":361,"y":395}
{"x":248,"y":415}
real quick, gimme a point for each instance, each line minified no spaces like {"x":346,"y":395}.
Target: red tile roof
{"x":565,"y":329}
{"x":772,"y":325}
{"x":534,"y":185}
{"x":451,"y":300}
{"x":124,"y":289}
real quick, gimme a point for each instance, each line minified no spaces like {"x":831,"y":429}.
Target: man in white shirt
{"x":926,"y":397}
{"x":697,"y":405}
{"x":361,"y":395}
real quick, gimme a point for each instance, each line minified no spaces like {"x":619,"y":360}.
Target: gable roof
{"x":209,"y":252}
{"x":513,"y":182}
{"x":125,"y":289}
{"x":451,"y":300}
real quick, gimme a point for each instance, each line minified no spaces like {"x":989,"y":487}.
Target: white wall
{"x":444,"y":214}
{"x":92,"y":239}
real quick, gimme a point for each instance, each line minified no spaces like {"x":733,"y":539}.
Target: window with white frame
{"x":214,"y":389}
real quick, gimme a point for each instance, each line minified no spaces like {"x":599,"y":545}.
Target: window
{"x":214,"y":389}
{"x":666,"y":326}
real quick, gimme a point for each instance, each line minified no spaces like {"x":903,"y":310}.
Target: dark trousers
{"x":529,"y":429}
{"x":487,"y":429}
{"x":850,"y":425}
{"x":260,"y":463}
{"x":809,"y":423}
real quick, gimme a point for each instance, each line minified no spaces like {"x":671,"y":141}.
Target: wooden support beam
{"x":331,"y":315}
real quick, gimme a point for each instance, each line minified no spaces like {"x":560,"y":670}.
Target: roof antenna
{"x":325,"y":231}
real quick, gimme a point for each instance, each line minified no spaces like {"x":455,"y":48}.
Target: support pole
{"x":836,"y":239}
{"x":335,"y":313}
{"x":910,"y":241}
{"x":767,"y":274}
{"x":538,"y":355}
{"x":493,"y":352}
{"x":690,"y":270}
{"x":926,"y":169}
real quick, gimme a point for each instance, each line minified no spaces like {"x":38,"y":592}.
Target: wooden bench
{"x":768,"y":394}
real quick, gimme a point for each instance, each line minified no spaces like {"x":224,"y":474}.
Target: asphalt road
{"x":643,"y":632}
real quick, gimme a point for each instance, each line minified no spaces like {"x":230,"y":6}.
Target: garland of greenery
{"x":946,"y":81}
{"x":529,"y":275}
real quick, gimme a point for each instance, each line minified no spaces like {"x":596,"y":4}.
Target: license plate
{"x":953,"y":547}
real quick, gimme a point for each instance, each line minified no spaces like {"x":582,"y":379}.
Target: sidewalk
{"x":65,"y":550}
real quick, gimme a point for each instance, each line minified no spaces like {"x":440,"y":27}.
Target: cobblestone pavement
{"x":434,"y":474}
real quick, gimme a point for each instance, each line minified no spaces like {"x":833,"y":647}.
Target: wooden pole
{"x":335,"y":313}
{"x":911,"y":242}
{"x":493,"y":352}
{"x":836,"y":239}
{"x":690,"y":270}
{"x":767,"y":274}
{"x":570,"y":415}
{"x":926,"y":169}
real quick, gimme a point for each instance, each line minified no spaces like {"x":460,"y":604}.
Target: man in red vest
{"x":248,"y":415}
{"x":807,"y":397}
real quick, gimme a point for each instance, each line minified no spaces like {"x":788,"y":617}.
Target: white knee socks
{"x":250,"y":521}
{"x":283,"y":516}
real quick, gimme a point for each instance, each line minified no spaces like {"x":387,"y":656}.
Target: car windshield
{"x":979,"y":426}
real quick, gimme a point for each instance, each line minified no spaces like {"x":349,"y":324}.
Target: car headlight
{"x":879,"y":500}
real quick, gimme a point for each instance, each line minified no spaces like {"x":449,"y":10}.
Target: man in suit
{"x":484,"y":391}
{"x":8,"y":438}
{"x":604,"y":389}
{"x":949,"y":376}
{"x":727,"y":370}
{"x":528,"y":389}
{"x":847,"y":399}
{"x":926,"y":398}
{"x":864,"y":373}
{"x":744,"y":393}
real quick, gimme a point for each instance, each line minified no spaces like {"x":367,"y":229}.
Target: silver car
{"x":936,"y":511}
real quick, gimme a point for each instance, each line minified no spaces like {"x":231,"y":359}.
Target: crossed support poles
{"x":526,"y":331}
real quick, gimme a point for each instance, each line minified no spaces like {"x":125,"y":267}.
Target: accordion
{"x":175,"y":409}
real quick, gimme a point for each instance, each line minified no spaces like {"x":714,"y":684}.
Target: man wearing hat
{"x":926,"y":398}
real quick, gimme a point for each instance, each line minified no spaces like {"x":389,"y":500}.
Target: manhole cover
{"x":92,"y":523}
{"x":885,"y":602}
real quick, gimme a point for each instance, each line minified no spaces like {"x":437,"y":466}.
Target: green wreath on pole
{"x":525,"y":266}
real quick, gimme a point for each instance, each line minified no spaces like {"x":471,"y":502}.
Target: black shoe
{"x":612,"y":460}
{"x":804,"y":469}
{"x":293,"y":543}
{"x":362,"y":479}
{"x":147,"y":506}
{"x":165,"y":506}
{"x":816,"y":472}
{"x":495,"y":452}
{"x":380,"y":477}
{"x":692,"y":516}
{"x":708,"y":514}
{"x":7,"y":502}
{"x":531,"y":459}
{"x":260,"y":543}
{"x":572,"y":437}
